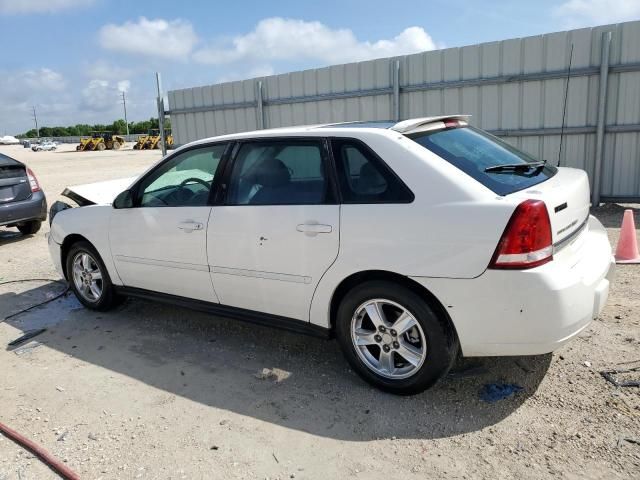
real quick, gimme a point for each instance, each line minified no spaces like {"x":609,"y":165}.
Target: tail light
{"x":526,"y":241}
{"x":33,"y":181}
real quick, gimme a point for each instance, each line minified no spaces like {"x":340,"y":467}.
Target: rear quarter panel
{"x":450,"y":230}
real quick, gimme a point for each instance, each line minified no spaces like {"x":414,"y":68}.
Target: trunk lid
{"x":14,"y":183}
{"x":566,"y":195}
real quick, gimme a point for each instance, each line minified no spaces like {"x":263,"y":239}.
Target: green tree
{"x":119,"y":127}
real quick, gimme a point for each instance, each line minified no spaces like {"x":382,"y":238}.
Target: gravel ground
{"x":153,"y":391}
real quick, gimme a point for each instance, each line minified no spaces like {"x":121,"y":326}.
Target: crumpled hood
{"x":99,"y":193}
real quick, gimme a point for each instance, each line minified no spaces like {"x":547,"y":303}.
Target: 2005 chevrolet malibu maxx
{"x":411,"y":242}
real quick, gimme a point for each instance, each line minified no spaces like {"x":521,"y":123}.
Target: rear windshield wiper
{"x":516,"y":166}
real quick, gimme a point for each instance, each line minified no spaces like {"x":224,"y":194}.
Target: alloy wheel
{"x":87,"y":277}
{"x":388,"y":338}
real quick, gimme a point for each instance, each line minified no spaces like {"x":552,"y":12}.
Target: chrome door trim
{"x":282,"y":277}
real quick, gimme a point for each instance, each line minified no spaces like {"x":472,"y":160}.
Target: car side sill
{"x":265,"y":319}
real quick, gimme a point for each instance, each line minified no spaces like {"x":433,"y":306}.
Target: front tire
{"x":393,"y":338}
{"x":89,"y":278}
{"x":30,"y":228}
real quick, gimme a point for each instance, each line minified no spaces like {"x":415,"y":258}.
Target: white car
{"x":411,"y":242}
{"x":44,"y":146}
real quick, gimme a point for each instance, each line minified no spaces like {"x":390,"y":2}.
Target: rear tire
{"x":30,"y":228}
{"x":89,"y":278}
{"x":101,"y":146}
{"x":407,"y":349}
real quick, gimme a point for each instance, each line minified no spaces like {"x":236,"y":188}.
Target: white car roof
{"x":344,"y":128}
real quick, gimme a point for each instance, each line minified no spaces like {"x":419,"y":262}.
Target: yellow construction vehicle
{"x":101,"y":141}
{"x":142,"y":140}
{"x":153,"y":139}
{"x":84,"y":144}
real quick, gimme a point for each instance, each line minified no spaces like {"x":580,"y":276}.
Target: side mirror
{"x":123,"y":200}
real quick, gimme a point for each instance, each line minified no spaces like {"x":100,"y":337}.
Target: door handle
{"x":189,"y":226}
{"x":314,"y":228}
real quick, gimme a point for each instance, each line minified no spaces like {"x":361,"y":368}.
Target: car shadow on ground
{"x":11,"y":236}
{"x":218,"y":362}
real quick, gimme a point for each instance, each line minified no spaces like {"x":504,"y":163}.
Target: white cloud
{"x":104,"y":69}
{"x":278,"y":38}
{"x":21,"y":89}
{"x":102,"y":95}
{"x":241,"y":74}
{"x":16,"y":87}
{"x":42,"y":79}
{"x":158,"y":38}
{"x":123,"y":85}
{"x":580,"y":13}
{"x":40,"y":6}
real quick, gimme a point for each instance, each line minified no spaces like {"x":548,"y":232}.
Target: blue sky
{"x":71,"y":58}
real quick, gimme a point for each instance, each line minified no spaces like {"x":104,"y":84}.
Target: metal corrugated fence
{"x":514,"y":88}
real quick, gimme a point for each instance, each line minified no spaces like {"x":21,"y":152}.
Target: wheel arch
{"x":357,"y":278}
{"x":66,"y":245}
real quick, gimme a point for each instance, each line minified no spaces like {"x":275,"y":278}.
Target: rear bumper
{"x":535,"y":311}
{"x":34,"y":208}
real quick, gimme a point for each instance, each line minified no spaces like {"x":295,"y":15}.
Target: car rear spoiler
{"x":420,"y":124}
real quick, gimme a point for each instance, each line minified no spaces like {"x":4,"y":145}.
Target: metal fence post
{"x":259,"y":106}
{"x":396,"y":90}
{"x":163,"y":142}
{"x":602,"y":113}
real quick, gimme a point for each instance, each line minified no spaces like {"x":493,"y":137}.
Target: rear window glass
{"x":365,"y":178}
{"x":473,"y":151}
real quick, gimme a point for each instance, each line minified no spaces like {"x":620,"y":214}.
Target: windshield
{"x":473,"y":151}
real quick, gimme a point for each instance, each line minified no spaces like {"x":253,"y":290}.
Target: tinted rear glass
{"x":473,"y":150}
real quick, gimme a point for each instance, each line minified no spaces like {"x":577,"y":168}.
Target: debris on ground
{"x":492,"y":392}
{"x":273,"y":374}
{"x":612,"y":377}
{"x":27,"y":348}
{"x":633,"y":440}
{"x":26,"y":336}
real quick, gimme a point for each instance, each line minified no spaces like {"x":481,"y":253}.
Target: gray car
{"x":22,"y":201}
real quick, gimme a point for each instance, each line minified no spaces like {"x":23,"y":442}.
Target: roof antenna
{"x":564,"y":108}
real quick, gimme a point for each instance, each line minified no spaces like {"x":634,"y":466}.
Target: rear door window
{"x":473,"y":151}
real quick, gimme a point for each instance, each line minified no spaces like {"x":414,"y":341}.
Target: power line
{"x":124,"y":104}
{"x":35,"y":119}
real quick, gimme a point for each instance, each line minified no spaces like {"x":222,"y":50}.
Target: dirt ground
{"x":153,"y":391}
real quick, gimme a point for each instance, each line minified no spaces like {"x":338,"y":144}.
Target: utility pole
{"x":35,"y":119}
{"x":124,"y":104}
{"x":160,"y":102}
